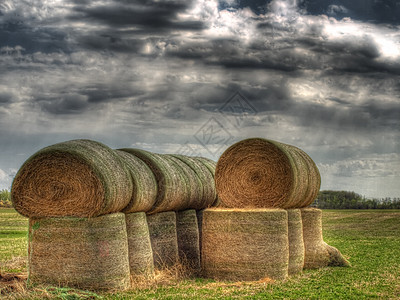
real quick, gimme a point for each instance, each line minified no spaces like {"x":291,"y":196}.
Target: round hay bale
{"x":296,"y":243}
{"x":79,"y":252}
{"x":207,"y":195}
{"x":194,"y":188}
{"x":188,"y":239}
{"x":245,"y":245}
{"x":171,"y":184}
{"x":210,"y":165}
{"x":80,"y":178}
{"x":260,"y":173}
{"x":144,"y":193}
{"x":317,"y":253}
{"x":140,"y":252}
{"x":163,"y":237}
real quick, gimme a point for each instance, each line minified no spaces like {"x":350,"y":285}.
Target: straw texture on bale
{"x":207,"y":195}
{"x":140,"y":252}
{"x":144,"y":183}
{"x":199,"y":215}
{"x":245,"y":244}
{"x":296,"y":243}
{"x":171,"y":183}
{"x":80,"y":178}
{"x":188,"y":239}
{"x":318,"y":253}
{"x":194,"y":189}
{"x":260,"y":173}
{"x":163,"y":237}
{"x":210,"y":165}
{"x":79,"y":252}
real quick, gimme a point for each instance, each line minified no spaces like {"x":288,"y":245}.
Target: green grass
{"x":370,"y":239}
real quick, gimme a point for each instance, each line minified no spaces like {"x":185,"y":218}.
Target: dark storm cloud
{"x":151,"y":15}
{"x":112,"y":40}
{"x":68,"y":104}
{"x":6,"y":97}
{"x":379,"y":11}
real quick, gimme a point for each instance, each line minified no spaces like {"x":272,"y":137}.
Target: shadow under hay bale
{"x":144,"y":183}
{"x":245,"y":245}
{"x":296,"y":243}
{"x":208,"y":193}
{"x":140,"y":252}
{"x":171,"y":186}
{"x":79,"y":252}
{"x":188,"y":239}
{"x":260,"y":173}
{"x":163,"y":237}
{"x":80,"y":178}
{"x":318,"y":253}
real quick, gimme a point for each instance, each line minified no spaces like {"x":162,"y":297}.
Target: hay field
{"x":370,"y":239}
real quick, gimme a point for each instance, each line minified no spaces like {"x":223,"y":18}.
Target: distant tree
{"x":5,"y":198}
{"x":351,"y":200}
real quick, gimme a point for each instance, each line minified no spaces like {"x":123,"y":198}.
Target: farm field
{"x":369,"y":239}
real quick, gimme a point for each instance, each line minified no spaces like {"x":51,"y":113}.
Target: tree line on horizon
{"x":325,"y":200}
{"x":350,"y":200}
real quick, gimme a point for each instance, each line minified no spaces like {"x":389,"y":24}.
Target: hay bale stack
{"x":199,"y":215}
{"x":188,"y":239}
{"x":79,"y":252}
{"x":79,"y":178}
{"x":144,"y":183}
{"x":210,"y":165}
{"x":245,"y":244}
{"x":194,"y":187}
{"x":318,"y":253}
{"x":163,"y":237}
{"x":140,"y":252}
{"x":171,"y":184}
{"x":296,"y":243}
{"x":207,"y":195}
{"x":260,"y":173}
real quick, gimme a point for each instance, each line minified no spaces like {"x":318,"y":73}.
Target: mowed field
{"x":369,"y":239}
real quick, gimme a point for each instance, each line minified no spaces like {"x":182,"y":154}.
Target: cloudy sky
{"x":196,"y":76}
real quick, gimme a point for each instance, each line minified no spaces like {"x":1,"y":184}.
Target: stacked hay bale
{"x":188,"y":239}
{"x":253,"y":176}
{"x":244,"y":244}
{"x":259,"y":173}
{"x":72,"y":193}
{"x":296,"y":244}
{"x":79,"y":184}
{"x":318,"y":253}
{"x":79,"y":252}
{"x":139,"y":245}
{"x":164,"y":240}
{"x":80,"y":178}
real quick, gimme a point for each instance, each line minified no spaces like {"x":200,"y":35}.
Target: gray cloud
{"x":152,"y":74}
